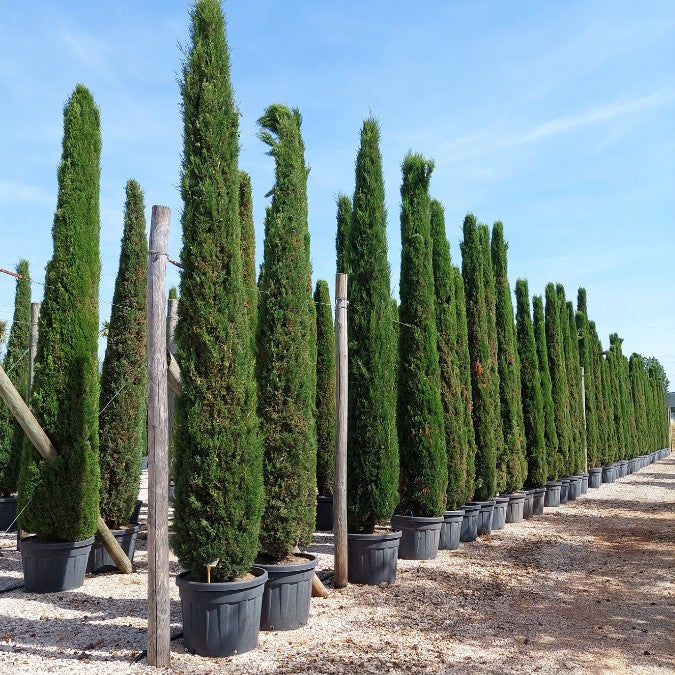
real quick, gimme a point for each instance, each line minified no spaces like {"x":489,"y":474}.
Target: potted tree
{"x":421,"y":433}
{"x":218,"y":451}
{"x":123,"y":399}
{"x":59,"y":502}
{"x":16,"y":365}
{"x":287,"y":380}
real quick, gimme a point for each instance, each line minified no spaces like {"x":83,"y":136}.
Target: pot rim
{"x":260,"y":578}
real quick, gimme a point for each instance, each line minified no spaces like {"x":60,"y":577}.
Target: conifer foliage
{"x":344,"y":225}
{"x":287,"y":345}
{"x":61,"y":499}
{"x":218,"y":453}
{"x":421,"y":432}
{"x":248,"y":249}
{"x":372,"y":444}
{"x":123,"y":399}
{"x":16,"y":366}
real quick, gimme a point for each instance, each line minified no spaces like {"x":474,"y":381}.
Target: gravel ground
{"x":586,"y":587}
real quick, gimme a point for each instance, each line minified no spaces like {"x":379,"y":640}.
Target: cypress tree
{"x":532,"y":396}
{"x":60,"y":501}
{"x":123,"y":398}
{"x":638,"y":377}
{"x":344,"y":224}
{"x":218,"y":453}
{"x":588,"y":362}
{"x":550,"y":433}
{"x":456,"y":434}
{"x":287,"y":345}
{"x":511,"y":462}
{"x":576,"y":397}
{"x":614,"y":359}
{"x":16,"y":366}
{"x":570,"y":384}
{"x":610,"y":453}
{"x":325,"y":389}
{"x":421,"y":433}
{"x":173,"y":293}
{"x":483,"y":363}
{"x":595,"y":457}
{"x":248,"y":251}
{"x":372,"y":443}
{"x":556,"y":360}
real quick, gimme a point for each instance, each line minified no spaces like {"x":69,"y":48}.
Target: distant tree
{"x":344,"y":224}
{"x":173,"y":293}
{"x":421,"y":434}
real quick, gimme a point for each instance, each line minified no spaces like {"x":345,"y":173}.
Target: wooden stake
{"x":159,"y":637}
{"x":340,"y":474}
{"x":32,"y":345}
{"x":174,"y":377}
{"x":171,"y":321}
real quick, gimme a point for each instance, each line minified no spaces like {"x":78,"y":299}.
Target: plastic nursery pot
{"x":515,"y":507}
{"x":608,"y":474}
{"x":564,"y":490}
{"x":49,"y":567}
{"x":485,"y":516}
{"x":420,"y":535}
{"x":574,"y":488}
{"x":324,"y":513}
{"x":450,"y":530}
{"x":499,"y":515}
{"x":287,"y":594}
{"x":623,"y":465}
{"x":221,"y":619}
{"x":595,"y":477}
{"x":584,"y":483}
{"x":553,"y":493}
{"x":8,"y":521}
{"x":527,"y":504}
{"x":100,"y":561}
{"x":539,"y":495}
{"x":371,"y":558}
{"x":469,"y":529}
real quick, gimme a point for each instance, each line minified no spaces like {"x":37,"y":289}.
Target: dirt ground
{"x":585,"y":588}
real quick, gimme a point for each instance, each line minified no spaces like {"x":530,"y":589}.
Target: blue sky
{"x":557,"y":118}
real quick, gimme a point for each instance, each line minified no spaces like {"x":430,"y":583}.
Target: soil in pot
{"x":515,"y":507}
{"x":100,"y":560}
{"x":8,"y":520}
{"x":553,"y":493}
{"x":324,"y":513}
{"x":499,"y":514}
{"x":485,"y":516}
{"x":221,"y":619}
{"x":595,"y":477}
{"x":371,"y":558}
{"x":469,"y":523}
{"x":50,"y":567}
{"x":420,"y":535}
{"x":450,"y":530}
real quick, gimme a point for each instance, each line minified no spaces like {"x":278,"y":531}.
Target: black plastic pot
{"x":371,"y":558}
{"x":623,"y":468}
{"x":419,"y":536}
{"x":324,"y":513}
{"x":469,"y":529}
{"x":450,"y":530}
{"x":564,"y":490}
{"x":100,"y":561}
{"x":499,"y":515}
{"x":8,"y":522}
{"x":49,"y":567}
{"x":287,"y":594}
{"x":527,"y":504}
{"x":608,"y":474}
{"x":584,"y":483}
{"x":553,"y":493}
{"x":485,"y":516}
{"x":224,"y":618}
{"x":595,"y":477}
{"x":515,"y":507}
{"x":574,"y":488}
{"x":538,"y":498}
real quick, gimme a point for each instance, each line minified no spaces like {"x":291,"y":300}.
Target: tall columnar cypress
{"x":550,"y":433}
{"x":556,"y":362}
{"x":638,"y":376}
{"x":576,"y":397}
{"x":325,"y":389}
{"x":512,"y":460}
{"x":456,"y":434}
{"x":595,"y":457}
{"x":287,"y":345}
{"x":486,"y":416}
{"x":248,"y":250}
{"x":123,"y":399}
{"x":218,"y":453}
{"x":532,"y":396}
{"x":344,"y":225}
{"x":61,"y":499}
{"x":610,"y":451}
{"x":421,"y":433}
{"x":586,"y":359}
{"x":16,"y":366}
{"x":464,"y":367}
{"x":372,"y":443}
{"x":660,"y":385}
{"x":615,"y":363}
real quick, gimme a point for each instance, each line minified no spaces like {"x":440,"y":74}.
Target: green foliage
{"x":372,"y":443}
{"x":456,"y":434}
{"x":511,"y":461}
{"x":550,"y":433}
{"x":638,"y":382}
{"x":421,"y":433}
{"x":483,"y":360}
{"x":531,"y":388}
{"x":620,"y":391}
{"x":325,"y":389}
{"x":218,"y":452}
{"x":123,"y":399}
{"x":586,"y":359}
{"x":173,"y":293}
{"x":287,"y":345}
{"x":61,"y":499}
{"x":610,"y":451}
{"x":15,"y":363}
{"x":344,"y":224}
{"x":248,"y":251}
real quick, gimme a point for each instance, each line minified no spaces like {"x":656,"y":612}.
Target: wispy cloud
{"x":16,"y":191}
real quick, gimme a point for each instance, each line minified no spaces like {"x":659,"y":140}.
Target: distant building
{"x":670,"y":402}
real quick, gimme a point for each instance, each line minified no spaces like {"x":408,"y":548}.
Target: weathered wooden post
{"x":171,"y":321}
{"x":32,"y":345}
{"x":340,"y":474}
{"x":159,"y":638}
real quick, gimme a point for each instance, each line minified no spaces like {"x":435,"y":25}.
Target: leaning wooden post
{"x":340,"y":474}
{"x":32,"y":345}
{"x":171,"y":321}
{"x":45,"y":447}
{"x":159,"y":627}
{"x":583,"y":405}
